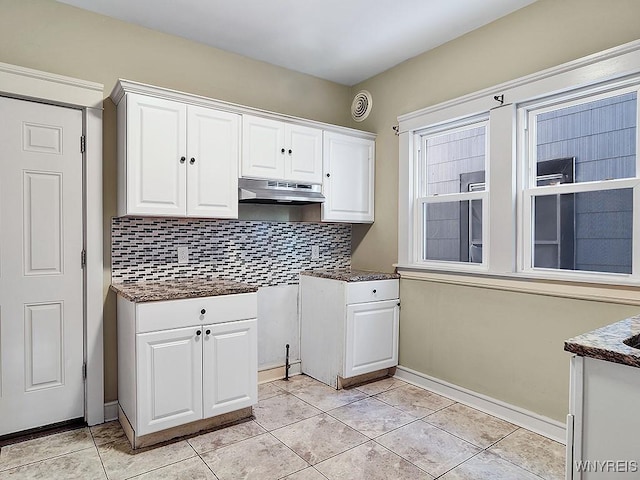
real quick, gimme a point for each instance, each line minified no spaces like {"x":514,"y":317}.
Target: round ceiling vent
{"x":361,"y":105}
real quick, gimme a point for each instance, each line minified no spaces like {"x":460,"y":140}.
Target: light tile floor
{"x":305,"y":430}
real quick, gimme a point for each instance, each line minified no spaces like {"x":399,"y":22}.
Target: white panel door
{"x":156,"y":156}
{"x":304,"y":154}
{"x":371,"y":337}
{"x":41,"y":287}
{"x":213,"y":147}
{"x":230,"y":376}
{"x":348,"y":184}
{"x":169,"y":378}
{"x":263,"y":148}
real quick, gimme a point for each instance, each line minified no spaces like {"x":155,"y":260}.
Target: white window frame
{"x":529,"y":190}
{"x":505,"y":256}
{"x":425,"y":198}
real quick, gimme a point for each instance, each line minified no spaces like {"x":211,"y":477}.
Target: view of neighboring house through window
{"x":453,"y":193}
{"x":579,"y":196}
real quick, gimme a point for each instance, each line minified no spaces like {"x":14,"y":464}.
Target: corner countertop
{"x":153,"y":291}
{"x":611,"y":343}
{"x":348,"y":275}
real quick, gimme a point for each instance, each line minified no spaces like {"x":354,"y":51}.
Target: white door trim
{"x":33,"y":84}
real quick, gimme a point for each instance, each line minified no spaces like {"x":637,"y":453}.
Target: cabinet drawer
{"x":187,"y":312}
{"x":361,"y":292}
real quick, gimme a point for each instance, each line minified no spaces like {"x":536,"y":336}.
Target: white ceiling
{"x":345,"y":41}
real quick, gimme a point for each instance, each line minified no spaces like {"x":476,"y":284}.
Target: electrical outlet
{"x":315,"y":252}
{"x":183,"y":254}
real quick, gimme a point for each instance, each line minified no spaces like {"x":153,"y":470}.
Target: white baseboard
{"x":524,"y":418}
{"x":276,"y":373}
{"x":111,"y":411}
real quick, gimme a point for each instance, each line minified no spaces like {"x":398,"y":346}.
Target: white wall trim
{"x":519,"y":283}
{"x":524,"y":418}
{"x":20,"y":82}
{"x":26,"y":82}
{"x":111,"y":411}
{"x":616,"y":68}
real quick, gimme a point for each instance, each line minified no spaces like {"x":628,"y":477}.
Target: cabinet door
{"x":348,"y":183}
{"x":213,"y":145}
{"x":303,"y":162}
{"x":230,"y":379}
{"x":156,"y":143}
{"x":371,"y":337}
{"x":169,"y":378}
{"x":263,"y":148}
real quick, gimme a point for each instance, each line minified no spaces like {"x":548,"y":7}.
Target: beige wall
{"x":57,"y":38}
{"x":485,"y":327}
{"x":505,"y":345}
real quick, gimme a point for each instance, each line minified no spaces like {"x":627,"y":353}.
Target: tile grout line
{"x":506,"y":459}
{"x":46,"y":459}
{"x":406,"y":460}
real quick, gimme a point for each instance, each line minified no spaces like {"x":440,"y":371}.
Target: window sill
{"x":532,"y":283}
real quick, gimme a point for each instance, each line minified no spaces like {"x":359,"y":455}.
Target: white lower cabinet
{"x":175,"y":376}
{"x":230,"y":360}
{"x":603,"y":421}
{"x":348,"y":328}
{"x":169,"y":371}
{"x":371,"y":341}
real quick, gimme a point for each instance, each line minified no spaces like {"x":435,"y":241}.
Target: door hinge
{"x":83,"y":259}
{"x":83,"y":143}
{"x":84,"y":371}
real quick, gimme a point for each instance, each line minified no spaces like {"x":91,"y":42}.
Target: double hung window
{"x":578,"y":197}
{"x":453,"y":193}
{"x":541,"y":181}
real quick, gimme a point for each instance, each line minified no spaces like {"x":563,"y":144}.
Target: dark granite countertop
{"x":152,"y":291}
{"x":613,"y":343}
{"x":348,"y":275}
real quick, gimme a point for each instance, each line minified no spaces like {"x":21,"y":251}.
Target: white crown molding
{"x":123,"y":87}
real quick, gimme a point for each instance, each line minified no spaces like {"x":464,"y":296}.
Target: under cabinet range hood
{"x":275,"y":191}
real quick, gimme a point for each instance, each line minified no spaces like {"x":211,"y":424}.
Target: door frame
{"x":29,"y":84}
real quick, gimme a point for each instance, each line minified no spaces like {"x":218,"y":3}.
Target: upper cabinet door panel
{"x":213,"y":144}
{"x":156,"y":141}
{"x":303,"y":159}
{"x":263,"y":148}
{"x":349,"y":179}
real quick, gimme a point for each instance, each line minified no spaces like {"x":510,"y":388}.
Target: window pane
{"x":455,"y":161}
{"x":589,"y":231}
{"x":600,"y":136}
{"x":453,"y":231}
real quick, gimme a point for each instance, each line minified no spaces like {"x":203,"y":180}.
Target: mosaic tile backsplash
{"x":259,"y":253}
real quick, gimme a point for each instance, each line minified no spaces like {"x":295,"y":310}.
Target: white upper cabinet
{"x":213,"y":141}
{"x":303,"y":160}
{"x":278,"y":150}
{"x":177,"y":159}
{"x":180,"y":155}
{"x":155,"y":155}
{"x":348,"y":178}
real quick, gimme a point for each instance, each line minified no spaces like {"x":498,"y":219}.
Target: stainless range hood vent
{"x":274,"y":191}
